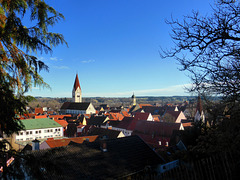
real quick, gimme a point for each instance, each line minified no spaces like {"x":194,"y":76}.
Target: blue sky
{"x":114,"y":46}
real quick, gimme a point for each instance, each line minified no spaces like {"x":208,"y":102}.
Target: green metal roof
{"x":39,"y":123}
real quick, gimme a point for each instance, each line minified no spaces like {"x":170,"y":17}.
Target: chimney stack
{"x":35,"y":144}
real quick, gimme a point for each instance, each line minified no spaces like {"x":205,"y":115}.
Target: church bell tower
{"x":77,"y":92}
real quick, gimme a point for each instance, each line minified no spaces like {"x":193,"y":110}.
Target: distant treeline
{"x":55,"y":103}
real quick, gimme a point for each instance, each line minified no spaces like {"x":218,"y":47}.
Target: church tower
{"x":199,"y":116}
{"x":77,"y":92}
{"x":134,"y":102}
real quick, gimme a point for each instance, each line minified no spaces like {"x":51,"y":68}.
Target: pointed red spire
{"x":76,"y":83}
{"x":199,"y":105}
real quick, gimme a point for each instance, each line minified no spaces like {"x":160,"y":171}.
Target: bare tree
{"x":209,"y":48}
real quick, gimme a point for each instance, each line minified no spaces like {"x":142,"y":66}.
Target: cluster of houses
{"x":120,"y":140}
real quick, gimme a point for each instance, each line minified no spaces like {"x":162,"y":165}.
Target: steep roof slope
{"x":124,"y":156}
{"x":110,"y":134}
{"x":76,"y":83}
{"x":158,"y":128}
{"x":75,"y":106}
{"x":127,"y":123}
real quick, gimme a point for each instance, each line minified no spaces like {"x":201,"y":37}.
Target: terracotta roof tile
{"x":63,"y":123}
{"x":141,"y":116}
{"x":142,"y":105}
{"x":128,"y":123}
{"x":64,"y":142}
{"x":158,"y":128}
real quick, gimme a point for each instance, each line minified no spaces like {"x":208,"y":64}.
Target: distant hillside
{"x":56,"y":103}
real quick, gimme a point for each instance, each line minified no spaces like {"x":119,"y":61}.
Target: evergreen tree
{"x":19,"y":69}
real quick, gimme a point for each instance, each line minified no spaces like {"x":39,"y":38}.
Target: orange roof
{"x":63,"y":123}
{"x":87,"y":115}
{"x":125,"y":113}
{"x":39,"y":110}
{"x":156,"y":117}
{"x":60,"y":116}
{"x":41,"y":116}
{"x":187,"y":124}
{"x":64,"y":142}
{"x":141,"y":105}
{"x":115,"y":116}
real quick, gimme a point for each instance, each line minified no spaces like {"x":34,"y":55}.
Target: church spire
{"x":134,"y":103}
{"x":199,"y":116}
{"x":77,"y":92}
{"x":76,"y":83}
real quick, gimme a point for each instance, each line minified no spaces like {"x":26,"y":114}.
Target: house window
{"x":36,"y":132}
{"x":27,"y":139}
{"x":59,"y":129}
{"x":39,"y":131}
{"x":30,"y":132}
{"x":21,"y":133}
{"x":51,"y":130}
{"x":55,"y":129}
{"x":27,"y":133}
{"x":48,"y":130}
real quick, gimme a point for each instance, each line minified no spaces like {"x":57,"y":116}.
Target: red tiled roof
{"x":154,"y":141}
{"x":39,"y":110}
{"x":64,"y":142}
{"x":156,"y":117}
{"x":125,"y":113}
{"x":162,"y":129}
{"x":187,"y":124}
{"x":76,"y":83}
{"x":128,"y":123}
{"x":60,"y":116}
{"x":175,"y":114}
{"x":141,"y":116}
{"x":63,"y":123}
{"x":115,"y":116}
{"x":141,"y":105}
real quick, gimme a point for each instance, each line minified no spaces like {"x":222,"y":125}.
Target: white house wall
{"x":39,"y":134}
{"x":91,"y":109}
{"x":180,"y":117}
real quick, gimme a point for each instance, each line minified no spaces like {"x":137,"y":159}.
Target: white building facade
{"x":39,"y":129}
